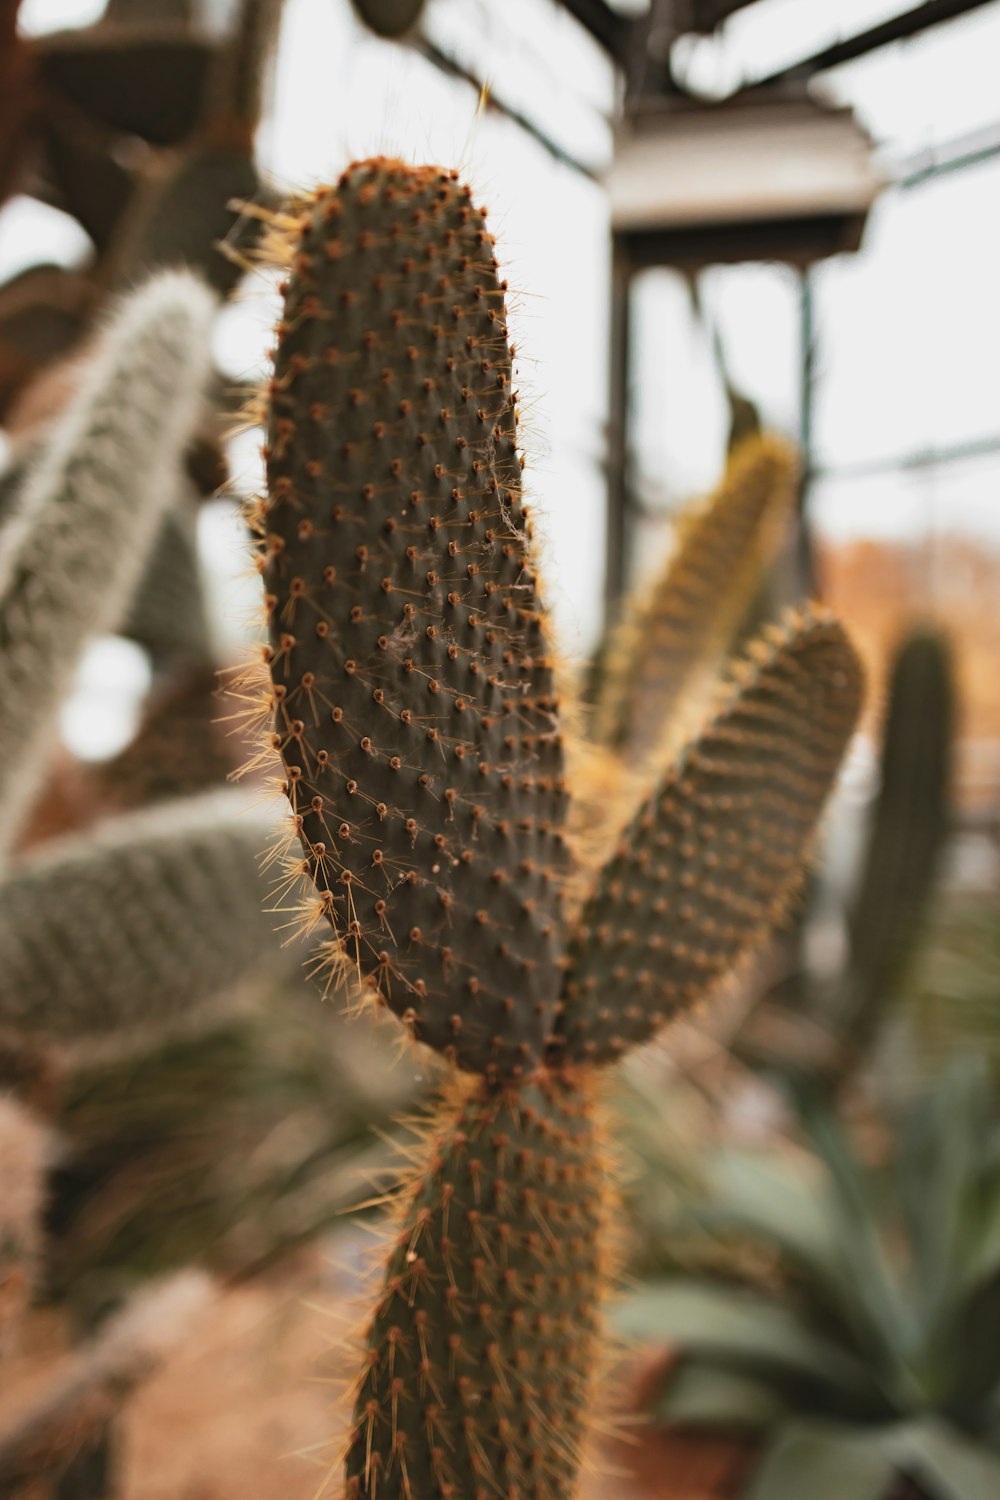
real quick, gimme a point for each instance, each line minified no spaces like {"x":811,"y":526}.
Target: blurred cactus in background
{"x":852,"y":1334}
{"x":824,"y":1027}
{"x":412,"y":702}
{"x":684,"y":622}
{"x":88,"y":512}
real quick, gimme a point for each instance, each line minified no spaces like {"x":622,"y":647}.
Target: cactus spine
{"x":89,"y":513}
{"x":412,"y":704}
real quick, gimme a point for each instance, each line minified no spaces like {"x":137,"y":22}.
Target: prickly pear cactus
{"x":414,"y":703}
{"x":410,"y":699}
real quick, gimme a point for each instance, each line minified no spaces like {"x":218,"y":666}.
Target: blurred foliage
{"x":858,"y":1336}
{"x":228,"y":1148}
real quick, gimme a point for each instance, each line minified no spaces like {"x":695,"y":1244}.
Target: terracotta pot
{"x":662,"y":1465}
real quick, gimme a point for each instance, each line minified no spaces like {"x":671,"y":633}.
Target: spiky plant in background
{"x":856,"y":1341}
{"x":823,"y":1029}
{"x":685,"y":619}
{"x":413,"y":705}
{"x":139,"y":923}
{"x":88,"y":514}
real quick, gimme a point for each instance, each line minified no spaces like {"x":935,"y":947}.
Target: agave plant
{"x":863,"y":1349}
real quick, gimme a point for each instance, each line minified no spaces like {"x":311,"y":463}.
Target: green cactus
{"x":686,"y":895}
{"x":823,"y":1029}
{"x":89,"y":512}
{"x":693,"y":607}
{"x":910,"y":825}
{"x":23,"y":1152}
{"x":411,"y":701}
{"x":139,"y":923}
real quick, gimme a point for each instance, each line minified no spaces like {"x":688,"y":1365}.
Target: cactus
{"x":140,"y":922}
{"x":227,"y":1147}
{"x":89,"y":512}
{"x":685,"y":896}
{"x":22,"y":1171}
{"x":806,"y":1027}
{"x":909,"y":829}
{"x":411,"y":702}
{"x":696,"y":602}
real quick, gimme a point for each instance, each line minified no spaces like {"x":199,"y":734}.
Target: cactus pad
{"x":137,"y":924}
{"x":710,"y":861}
{"x":698,"y":598}
{"x":479,"y":1356}
{"x":413,"y":701}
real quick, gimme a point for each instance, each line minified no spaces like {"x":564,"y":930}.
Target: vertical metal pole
{"x":805,"y":553}
{"x":618,"y":429}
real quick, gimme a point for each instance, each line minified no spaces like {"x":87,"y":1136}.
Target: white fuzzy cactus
{"x":89,"y":512}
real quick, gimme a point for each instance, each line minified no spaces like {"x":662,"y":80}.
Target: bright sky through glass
{"x":908,"y":329}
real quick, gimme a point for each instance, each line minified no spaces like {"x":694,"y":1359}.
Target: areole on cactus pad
{"x":413,"y":708}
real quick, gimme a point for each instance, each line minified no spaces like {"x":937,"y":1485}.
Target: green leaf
{"x":767,"y":1199}
{"x":701,"y":1396}
{"x":949,"y":1465}
{"x":821,"y":1461}
{"x":940,"y":1166}
{"x":740,"y":1329}
{"x":883,"y":1322}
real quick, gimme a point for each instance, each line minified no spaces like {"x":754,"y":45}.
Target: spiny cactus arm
{"x":697,"y":601}
{"x":42,"y":1445}
{"x":23,"y":1152}
{"x":909,"y":830}
{"x":479,"y":1356}
{"x":412,"y":690}
{"x":89,"y":513}
{"x":138,"y":924}
{"x":710,"y":861}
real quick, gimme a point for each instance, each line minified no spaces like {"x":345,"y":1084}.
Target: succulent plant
{"x":868,"y":1357}
{"x":824,"y":1028}
{"x":138,"y":924}
{"x":88,"y":513}
{"x":227,"y":1148}
{"x":681,"y":623}
{"x":412,"y":702}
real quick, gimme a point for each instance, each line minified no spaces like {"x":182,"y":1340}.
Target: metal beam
{"x":706,"y":15}
{"x":795,"y":241}
{"x":453,"y":69}
{"x":910,"y":23}
{"x":618,"y":438}
{"x":614,"y":32}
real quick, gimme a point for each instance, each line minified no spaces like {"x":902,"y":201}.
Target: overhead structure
{"x":759,"y":178}
{"x":623,"y":35}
